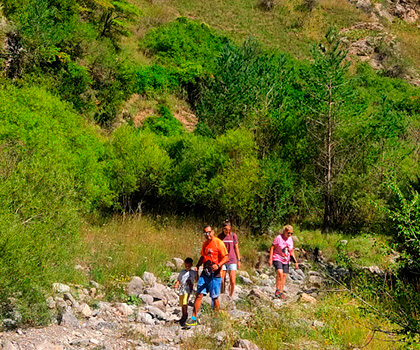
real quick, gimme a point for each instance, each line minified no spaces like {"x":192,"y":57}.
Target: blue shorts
{"x":209,"y":284}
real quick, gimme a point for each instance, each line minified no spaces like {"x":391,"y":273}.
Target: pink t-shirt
{"x":282,"y":249}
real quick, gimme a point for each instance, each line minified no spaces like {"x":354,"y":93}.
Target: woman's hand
{"x":239,"y":264}
{"x":296,"y":266}
{"x":270,"y":262}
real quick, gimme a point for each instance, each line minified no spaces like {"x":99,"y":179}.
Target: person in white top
{"x":184,"y":286}
{"x":280,"y":252}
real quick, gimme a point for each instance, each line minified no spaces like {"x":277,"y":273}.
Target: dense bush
{"x":183,"y":42}
{"x":50,"y":173}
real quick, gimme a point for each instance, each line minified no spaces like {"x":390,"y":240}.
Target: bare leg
{"x":216,"y":304}
{"x":279,"y":275}
{"x":232,"y":281}
{"x":282,"y":280}
{"x":197,"y":304}
{"x":184,"y":312}
{"x":223,"y":286}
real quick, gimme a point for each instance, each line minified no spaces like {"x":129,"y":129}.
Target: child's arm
{"x":176,"y":286}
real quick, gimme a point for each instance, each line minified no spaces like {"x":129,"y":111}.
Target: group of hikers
{"x":220,"y":257}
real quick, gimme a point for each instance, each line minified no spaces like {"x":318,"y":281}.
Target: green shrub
{"x":166,"y":124}
{"x":137,"y":164}
{"x":154,"y":78}
{"x":50,"y":174}
{"x":183,"y":42}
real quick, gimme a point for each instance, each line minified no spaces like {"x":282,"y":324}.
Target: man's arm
{"x":224,"y":260}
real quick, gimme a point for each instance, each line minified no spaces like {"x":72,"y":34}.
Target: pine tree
{"x":329,"y":93}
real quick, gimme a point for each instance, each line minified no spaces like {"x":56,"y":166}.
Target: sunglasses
{"x":206,"y":233}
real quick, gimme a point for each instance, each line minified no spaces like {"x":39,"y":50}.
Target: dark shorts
{"x":280,"y":266}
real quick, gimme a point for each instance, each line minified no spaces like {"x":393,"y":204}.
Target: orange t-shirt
{"x":214,"y":250}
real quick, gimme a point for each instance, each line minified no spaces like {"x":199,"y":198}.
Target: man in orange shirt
{"x":213,"y":256}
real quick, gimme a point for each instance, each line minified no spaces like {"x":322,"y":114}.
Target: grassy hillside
{"x":281,"y":129}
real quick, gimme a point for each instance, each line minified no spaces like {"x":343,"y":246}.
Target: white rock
{"x":8,"y":345}
{"x":149,"y":279}
{"x":85,"y":310}
{"x":66,"y":318}
{"x":242,"y":273}
{"x":245,"y":344}
{"x":124,"y":309}
{"x":179,"y":263}
{"x":48,"y":346}
{"x":50,"y":303}
{"x":69,"y":297}
{"x":135,"y":287}
{"x":144,"y":317}
{"x":307,"y":298}
{"x":61,"y":288}
{"x":147,"y":299}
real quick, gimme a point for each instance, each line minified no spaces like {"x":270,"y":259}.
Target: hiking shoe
{"x":277,"y":293}
{"x":182,"y":322}
{"x":191,"y":323}
{"x":282,"y":296}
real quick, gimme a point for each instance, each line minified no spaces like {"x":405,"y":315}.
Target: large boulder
{"x":135,"y":287}
{"x":149,"y":279}
{"x":67,"y":318}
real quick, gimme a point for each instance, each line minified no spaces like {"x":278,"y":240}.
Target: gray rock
{"x":124,"y":309}
{"x":380,"y":10}
{"x":69,"y":297}
{"x":220,"y":336}
{"x":67,"y":318}
{"x":160,"y":304}
{"x":147,"y":299}
{"x":170,"y":265}
{"x":258,"y":295}
{"x":155,"y":292}
{"x":60,"y":288}
{"x":316,"y":281}
{"x":179,"y":263}
{"x":9,"y":324}
{"x":242,"y":273}
{"x":135,"y":287}
{"x":96,"y":285}
{"x":45,"y":345}
{"x":364,"y":5}
{"x":375,"y":270}
{"x":297,"y":275}
{"x":156,"y":312}
{"x":244,"y":280}
{"x":80,"y":342}
{"x":235,"y":313}
{"x":85,"y":310}
{"x":245,"y":344}
{"x":50,"y":303}
{"x":60,"y":303}
{"x":144,"y":317}
{"x":149,"y":279}
{"x":318,"y":324}
{"x":8,"y":345}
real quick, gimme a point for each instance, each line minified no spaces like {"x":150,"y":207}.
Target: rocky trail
{"x":85,"y":321}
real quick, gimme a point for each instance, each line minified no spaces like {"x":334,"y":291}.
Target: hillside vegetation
{"x":283,"y":125}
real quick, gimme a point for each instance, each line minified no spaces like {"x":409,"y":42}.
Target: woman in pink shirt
{"x":280,"y":252}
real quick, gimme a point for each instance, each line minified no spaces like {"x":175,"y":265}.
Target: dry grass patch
{"x":123,"y":247}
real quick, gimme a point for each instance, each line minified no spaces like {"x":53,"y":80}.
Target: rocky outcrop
{"x":406,"y":10}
